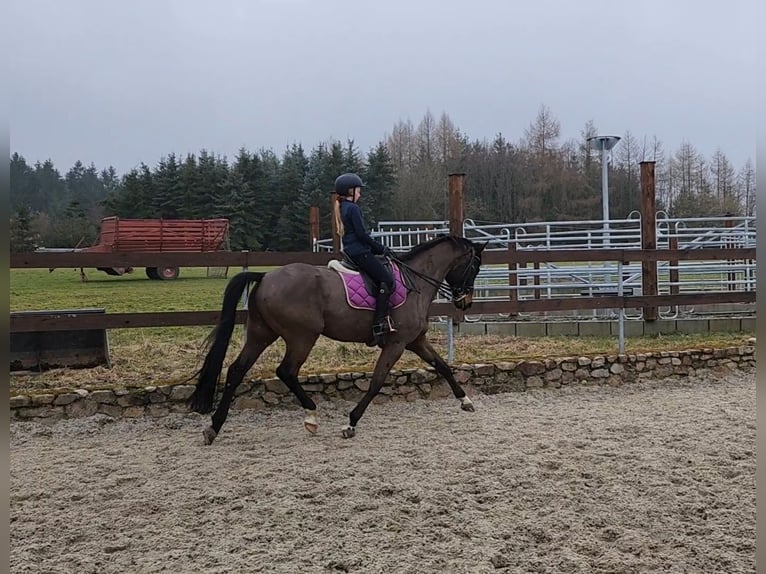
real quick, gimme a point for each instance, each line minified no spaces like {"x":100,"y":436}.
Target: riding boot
{"x":381,"y":321}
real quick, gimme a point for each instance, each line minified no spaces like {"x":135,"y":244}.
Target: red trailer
{"x":159,"y":236}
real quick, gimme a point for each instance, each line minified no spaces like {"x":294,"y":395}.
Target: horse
{"x":299,"y":302}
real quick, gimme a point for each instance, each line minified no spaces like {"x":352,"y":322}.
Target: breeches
{"x":375,"y":269}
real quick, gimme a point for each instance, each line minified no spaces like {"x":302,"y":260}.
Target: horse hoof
{"x":467,"y":405}
{"x":310,"y":422}
{"x":348,"y":432}
{"x":209,"y":435}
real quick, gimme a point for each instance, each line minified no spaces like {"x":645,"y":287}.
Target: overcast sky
{"x":120,"y":82}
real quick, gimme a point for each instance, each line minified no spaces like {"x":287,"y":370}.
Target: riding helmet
{"x":344,"y":183}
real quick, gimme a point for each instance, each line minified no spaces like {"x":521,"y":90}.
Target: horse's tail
{"x":203,"y":397}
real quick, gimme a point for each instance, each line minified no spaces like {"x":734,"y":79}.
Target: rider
{"x":361,"y":249}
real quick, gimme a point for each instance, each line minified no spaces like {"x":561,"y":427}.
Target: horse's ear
{"x":481,"y":247}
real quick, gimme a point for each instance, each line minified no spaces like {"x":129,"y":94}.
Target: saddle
{"x":361,"y":290}
{"x":372,"y":286}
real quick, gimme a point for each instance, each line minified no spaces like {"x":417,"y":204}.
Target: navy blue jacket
{"x":356,"y":240}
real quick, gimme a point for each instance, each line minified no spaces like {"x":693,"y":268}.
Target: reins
{"x":442,"y":287}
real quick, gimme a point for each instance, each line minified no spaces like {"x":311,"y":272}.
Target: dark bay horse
{"x":300,"y":302}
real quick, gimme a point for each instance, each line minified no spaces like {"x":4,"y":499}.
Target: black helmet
{"x":346,"y":182}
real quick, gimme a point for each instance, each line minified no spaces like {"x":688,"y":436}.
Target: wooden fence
{"x":512,"y":258}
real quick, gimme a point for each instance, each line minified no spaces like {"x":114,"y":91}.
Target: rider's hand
{"x":388,"y":252}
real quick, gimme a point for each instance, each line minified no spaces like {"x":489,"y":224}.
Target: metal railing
{"x":568,"y":279}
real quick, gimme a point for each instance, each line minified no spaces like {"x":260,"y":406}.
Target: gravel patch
{"x":650,"y":476}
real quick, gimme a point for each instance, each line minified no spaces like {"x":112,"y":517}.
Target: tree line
{"x":267,"y":196}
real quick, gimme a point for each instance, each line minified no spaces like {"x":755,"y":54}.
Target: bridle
{"x":445,"y":289}
{"x":470,"y":272}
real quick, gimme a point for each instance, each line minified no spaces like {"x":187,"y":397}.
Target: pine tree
{"x":166,"y":201}
{"x":293,"y":220}
{"x":188,"y":182}
{"x":323,"y":167}
{"x":270,"y":199}
{"x":380,"y":180}
{"x":205,"y":194}
{"x":144,"y":201}
{"x":239,"y":207}
{"x":52,"y":188}
{"x":293,"y":224}
{"x":22,"y":236}
{"x":134,"y":197}
{"x":24,"y":187}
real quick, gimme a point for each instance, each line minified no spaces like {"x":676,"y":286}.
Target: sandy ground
{"x":649,"y":477}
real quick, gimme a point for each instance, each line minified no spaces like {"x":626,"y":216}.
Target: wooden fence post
{"x":456,"y":203}
{"x":313,"y":225}
{"x":648,"y":235}
{"x":456,"y":217}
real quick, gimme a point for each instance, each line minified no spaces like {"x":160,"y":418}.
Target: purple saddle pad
{"x":359,"y":297}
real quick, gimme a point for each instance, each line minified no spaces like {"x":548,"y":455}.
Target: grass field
{"x":133,"y":292}
{"x":154,"y":356}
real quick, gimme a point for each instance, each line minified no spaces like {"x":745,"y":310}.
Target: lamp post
{"x":604,"y":144}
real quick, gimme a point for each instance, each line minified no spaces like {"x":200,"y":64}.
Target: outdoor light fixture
{"x":604,"y":143}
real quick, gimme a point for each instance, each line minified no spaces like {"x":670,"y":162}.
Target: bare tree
{"x":542,"y":134}
{"x":690,"y":173}
{"x":586,"y":153}
{"x":627,"y":189}
{"x":746,"y":182}
{"x":653,"y":150}
{"x":400,"y":146}
{"x":724,"y":182}
{"x":425,"y":139}
{"x":448,"y":143}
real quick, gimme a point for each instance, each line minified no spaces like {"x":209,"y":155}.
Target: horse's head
{"x":461,"y":277}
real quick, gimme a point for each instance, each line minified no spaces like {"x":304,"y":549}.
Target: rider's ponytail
{"x":336,"y":215}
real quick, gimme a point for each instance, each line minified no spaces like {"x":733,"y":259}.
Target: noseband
{"x":461,"y":292}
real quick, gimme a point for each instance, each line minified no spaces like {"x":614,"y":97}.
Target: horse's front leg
{"x":388,"y":356}
{"x":298,"y":349}
{"x":423,"y":349}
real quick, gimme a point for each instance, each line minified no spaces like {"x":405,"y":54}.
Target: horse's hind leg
{"x":297,"y":352}
{"x":423,"y":349}
{"x":236,"y":372}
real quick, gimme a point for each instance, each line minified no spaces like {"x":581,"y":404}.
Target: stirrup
{"x":380,"y":329}
{"x":383,"y":326}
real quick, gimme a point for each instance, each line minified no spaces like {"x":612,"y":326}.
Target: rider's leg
{"x":381,"y":323}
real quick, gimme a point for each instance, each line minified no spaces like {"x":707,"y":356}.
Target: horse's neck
{"x":437,"y":262}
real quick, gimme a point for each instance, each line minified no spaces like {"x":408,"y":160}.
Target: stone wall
{"x":404,"y":385}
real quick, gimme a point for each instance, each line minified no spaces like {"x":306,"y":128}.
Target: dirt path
{"x":645,"y":477}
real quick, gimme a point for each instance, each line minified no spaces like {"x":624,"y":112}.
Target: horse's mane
{"x":421,"y":247}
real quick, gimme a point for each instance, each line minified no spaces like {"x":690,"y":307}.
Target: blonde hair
{"x":336,"y":215}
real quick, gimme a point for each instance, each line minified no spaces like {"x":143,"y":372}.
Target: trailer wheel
{"x":168,"y":273}
{"x":151,"y":273}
